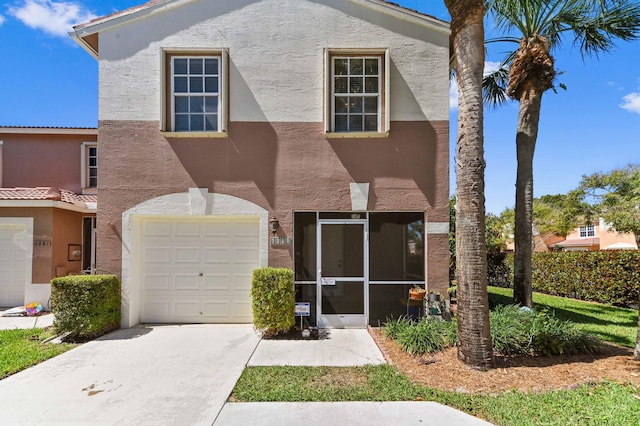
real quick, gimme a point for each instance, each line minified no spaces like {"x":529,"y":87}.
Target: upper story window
{"x":358,"y":86}
{"x":195,"y":89}
{"x":89,"y":160}
{"x":587,"y":231}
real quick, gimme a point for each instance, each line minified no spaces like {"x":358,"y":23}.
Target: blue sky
{"x":47,"y":80}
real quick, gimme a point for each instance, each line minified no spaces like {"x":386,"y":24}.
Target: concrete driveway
{"x":146,"y":375}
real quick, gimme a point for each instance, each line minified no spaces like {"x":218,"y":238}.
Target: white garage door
{"x":14,"y":244}
{"x":198,"y":270}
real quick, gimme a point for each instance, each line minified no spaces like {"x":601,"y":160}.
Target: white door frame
{"x":343,"y":320}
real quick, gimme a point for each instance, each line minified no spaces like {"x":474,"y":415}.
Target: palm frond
{"x":494,"y":87}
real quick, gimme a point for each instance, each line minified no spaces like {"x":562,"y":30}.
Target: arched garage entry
{"x":188,"y":258}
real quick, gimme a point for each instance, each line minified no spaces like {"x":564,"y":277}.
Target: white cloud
{"x":56,"y":18}
{"x":2,"y":19}
{"x":631,"y":102}
{"x":489,"y":67}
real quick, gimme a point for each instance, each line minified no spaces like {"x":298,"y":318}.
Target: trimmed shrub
{"x":273,"y":300}
{"x":86,"y":306}
{"x":611,"y":277}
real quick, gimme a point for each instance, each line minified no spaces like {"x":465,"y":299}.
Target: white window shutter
{"x":224,"y":89}
{"x":327,"y":91}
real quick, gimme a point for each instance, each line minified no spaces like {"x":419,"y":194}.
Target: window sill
{"x":213,"y":135}
{"x":357,"y":135}
{"x":89,"y":191}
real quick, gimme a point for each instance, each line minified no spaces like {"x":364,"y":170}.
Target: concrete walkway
{"x":40,"y":321}
{"x":183,"y":375}
{"x":154,"y":375}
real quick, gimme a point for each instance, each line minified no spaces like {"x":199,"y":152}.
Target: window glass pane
{"x":182,"y":123}
{"x":390,"y":301}
{"x":371,"y":67}
{"x":341,"y":85}
{"x":93,"y":151}
{"x":197,"y":122}
{"x":195,"y":85}
{"x":93,"y":182}
{"x":396,"y":246}
{"x":195,"y":65}
{"x":93,"y":172}
{"x":355,"y":123}
{"x":356,"y":66}
{"x":341,"y":123}
{"x":180,"y":66}
{"x":211,"y":122}
{"x":304,"y":246}
{"x":341,"y":105}
{"x":355,"y":85}
{"x":93,"y":162}
{"x":196,"y":104}
{"x":371,"y":105}
{"x":341,"y":67}
{"x":181,"y":104}
{"x":211,"y":104}
{"x":211,"y":84}
{"x":211,"y":66}
{"x":371,"y":85}
{"x":180,"y":85}
{"x":355,"y":105}
{"x":371,"y":123}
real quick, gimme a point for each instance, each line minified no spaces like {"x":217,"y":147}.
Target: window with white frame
{"x":587,"y":231}
{"x":195,"y":87}
{"x":358,"y":98}
{"x":89,"y":162}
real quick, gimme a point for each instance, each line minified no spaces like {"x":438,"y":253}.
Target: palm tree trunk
{"x":474,"y":336}
{"x":528,"y":120}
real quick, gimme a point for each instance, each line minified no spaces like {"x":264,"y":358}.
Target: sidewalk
{"x":40,"y":321}
{"x":348,"y":347}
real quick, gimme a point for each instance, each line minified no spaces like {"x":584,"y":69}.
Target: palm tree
{"x":467,"y":37}
{"x":538,"y":27}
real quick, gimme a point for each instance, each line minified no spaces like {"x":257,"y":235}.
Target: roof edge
{"x":48,"y":130}
{"x":81,"y":31}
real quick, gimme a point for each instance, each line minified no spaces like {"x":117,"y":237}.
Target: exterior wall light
{"x":274,"y":225}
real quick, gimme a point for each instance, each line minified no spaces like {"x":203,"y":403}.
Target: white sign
{"x":303,"y":309}
{"x":328,"y":281}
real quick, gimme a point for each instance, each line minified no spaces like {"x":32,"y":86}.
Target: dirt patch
{"x":444,"y":371}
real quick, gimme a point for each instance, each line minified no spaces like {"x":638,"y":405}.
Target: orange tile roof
{"x":45,"y":193}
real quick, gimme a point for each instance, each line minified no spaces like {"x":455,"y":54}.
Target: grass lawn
{"x":20,"y":349}
{"x":609,"y":323}
{"x":607,"y":403}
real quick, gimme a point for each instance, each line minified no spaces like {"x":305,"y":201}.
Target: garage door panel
{"x":187,"y":282}
{"x":189,"y":255}
{"x":207,"y":275}
{"x":156,"y":282}
{"x":157,"y":255}
{"x":217,"y":282}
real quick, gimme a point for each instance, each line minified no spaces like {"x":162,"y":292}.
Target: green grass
{"x":20,"y":349}
{"x":605,"y":403}
{"x":609,"y":323}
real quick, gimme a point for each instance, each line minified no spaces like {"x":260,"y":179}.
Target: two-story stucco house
{"x":307,"y":134}
{"x":48,"y":181}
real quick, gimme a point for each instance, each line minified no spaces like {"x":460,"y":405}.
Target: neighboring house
{"x":307,"y":134}
{"x":48,"y":180}
{"x":597,"y":236}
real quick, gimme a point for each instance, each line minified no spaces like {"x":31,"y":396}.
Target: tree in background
{"x":467,"y":43}
{"x":537,"y":27}
{"x":615,"y":197}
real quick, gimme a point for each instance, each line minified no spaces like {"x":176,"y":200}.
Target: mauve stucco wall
{"x":276,"y":59}
{"x":67,"y":229}
{"x":281,"y":167}
{"x":32,"y":160}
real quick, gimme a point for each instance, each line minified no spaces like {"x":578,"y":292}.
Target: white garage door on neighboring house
{"x":198,"y":270}
{"x":15,"y":242}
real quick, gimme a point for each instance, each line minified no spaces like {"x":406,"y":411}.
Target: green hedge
{"x":273,"y":300}
{"x":86,"y":306}
{"x":611,"y":277}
